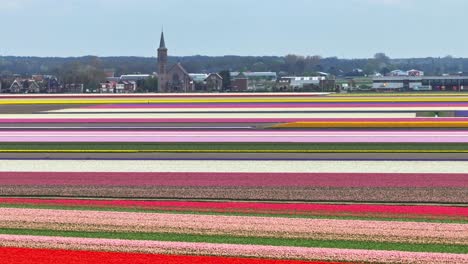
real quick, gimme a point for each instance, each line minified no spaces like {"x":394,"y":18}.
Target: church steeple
{"x":162,"y":43}
{"x":162,"y":65}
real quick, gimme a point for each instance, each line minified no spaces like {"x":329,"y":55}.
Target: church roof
{"x":216,"y":75}
{"x":162,"y":43}
{"x":178,"y":65}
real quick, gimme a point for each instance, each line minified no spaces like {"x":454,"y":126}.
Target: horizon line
{"x":229,"y":55}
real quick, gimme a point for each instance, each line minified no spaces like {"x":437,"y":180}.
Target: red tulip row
{"x":48,"y":256}
{"x":381,"y":211}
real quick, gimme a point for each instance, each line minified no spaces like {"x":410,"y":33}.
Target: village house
{"x":34,"y":84}
{"x":118,"y":87}
{"x":24,"y":86}
{"x":214,"y":82}
{"x":413,"y":72}
{"x":256,"y":81}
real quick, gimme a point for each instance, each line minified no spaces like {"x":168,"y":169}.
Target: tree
{"x":77,"y":73}
{"x":371,"y":67}
{"x":227,"y":82}
{"x":382,"y":58}
{"x":150,"y":85}
{"x":259,"y":67}
{"x":311,"y":62}
{"x":300,"y":67}
{"x":295,"y":64}
{"x":381,"y":61}
{"x":385,"y":71}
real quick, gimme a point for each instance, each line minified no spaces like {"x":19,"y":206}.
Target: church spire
{"x":162,"y":43}
{"x":162,"y":65}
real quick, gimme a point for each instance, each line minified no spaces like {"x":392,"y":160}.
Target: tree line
{"x":91,"y":69}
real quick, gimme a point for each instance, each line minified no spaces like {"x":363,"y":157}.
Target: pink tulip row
{"x":409,"y":232}
{"x":238,"y":136}
{"x":211,"y":120}
{"x":269,"y":252}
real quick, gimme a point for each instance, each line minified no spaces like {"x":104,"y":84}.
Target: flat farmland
{"x":234,"y":178}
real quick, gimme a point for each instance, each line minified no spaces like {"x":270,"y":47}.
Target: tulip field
{"x":234,"y":178}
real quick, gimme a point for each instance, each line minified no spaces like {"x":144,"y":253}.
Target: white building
{"x":271,"y":76}
{"x":398,"y":73}
{"x":413,"y":72}
{"x":301,"y":81}
{"x":420,"y":83}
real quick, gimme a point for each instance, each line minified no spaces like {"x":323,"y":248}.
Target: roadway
{"x":31,"y":108}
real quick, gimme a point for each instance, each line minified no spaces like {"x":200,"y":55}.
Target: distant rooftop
{"x":304,"y":78}
{"x":255,"y":74}
{"x":198,"y":77}
{"x":129,"y":77}
{"x":136,"y":75}
{"x":415,"y":78}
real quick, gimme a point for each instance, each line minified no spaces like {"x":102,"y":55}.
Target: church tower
{"x":162,"y":65}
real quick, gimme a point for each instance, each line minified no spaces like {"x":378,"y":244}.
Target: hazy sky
{"x":343,"y":28}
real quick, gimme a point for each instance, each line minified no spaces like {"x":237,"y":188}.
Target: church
{"x":174,"y":79}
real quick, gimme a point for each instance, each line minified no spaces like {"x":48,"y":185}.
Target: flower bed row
{"x":376,"y":124}
{"x":125,"y":147}
{"x":299,"y":209}
{"x":225,"y":98}
{"x":226,"y":250}
{"x":47,"y":256}
{"x":277,"y":105}
{"x":231,"y":179}
{"x":321,"y":108}
{"x":194,"y":115}
{"x":233,"y":136}
{"x":237,"y":226}
{"x":236,"y":166}
{"x":173,"y":95}
{"x":312,"y":194}
{"x":120,"y":119}
{"x":234,"y":240}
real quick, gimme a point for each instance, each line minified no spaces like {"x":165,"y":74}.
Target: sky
{"x":342,"y":28}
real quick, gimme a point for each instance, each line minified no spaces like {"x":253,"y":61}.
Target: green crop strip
{"x":236,"y":146}
{"x":170,"y":237}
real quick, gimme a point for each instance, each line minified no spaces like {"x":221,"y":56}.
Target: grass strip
{"x":229,"y":151}
{"x":236,"y":147}
{"x":230,"y":213}
{"x":221,"y":239}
